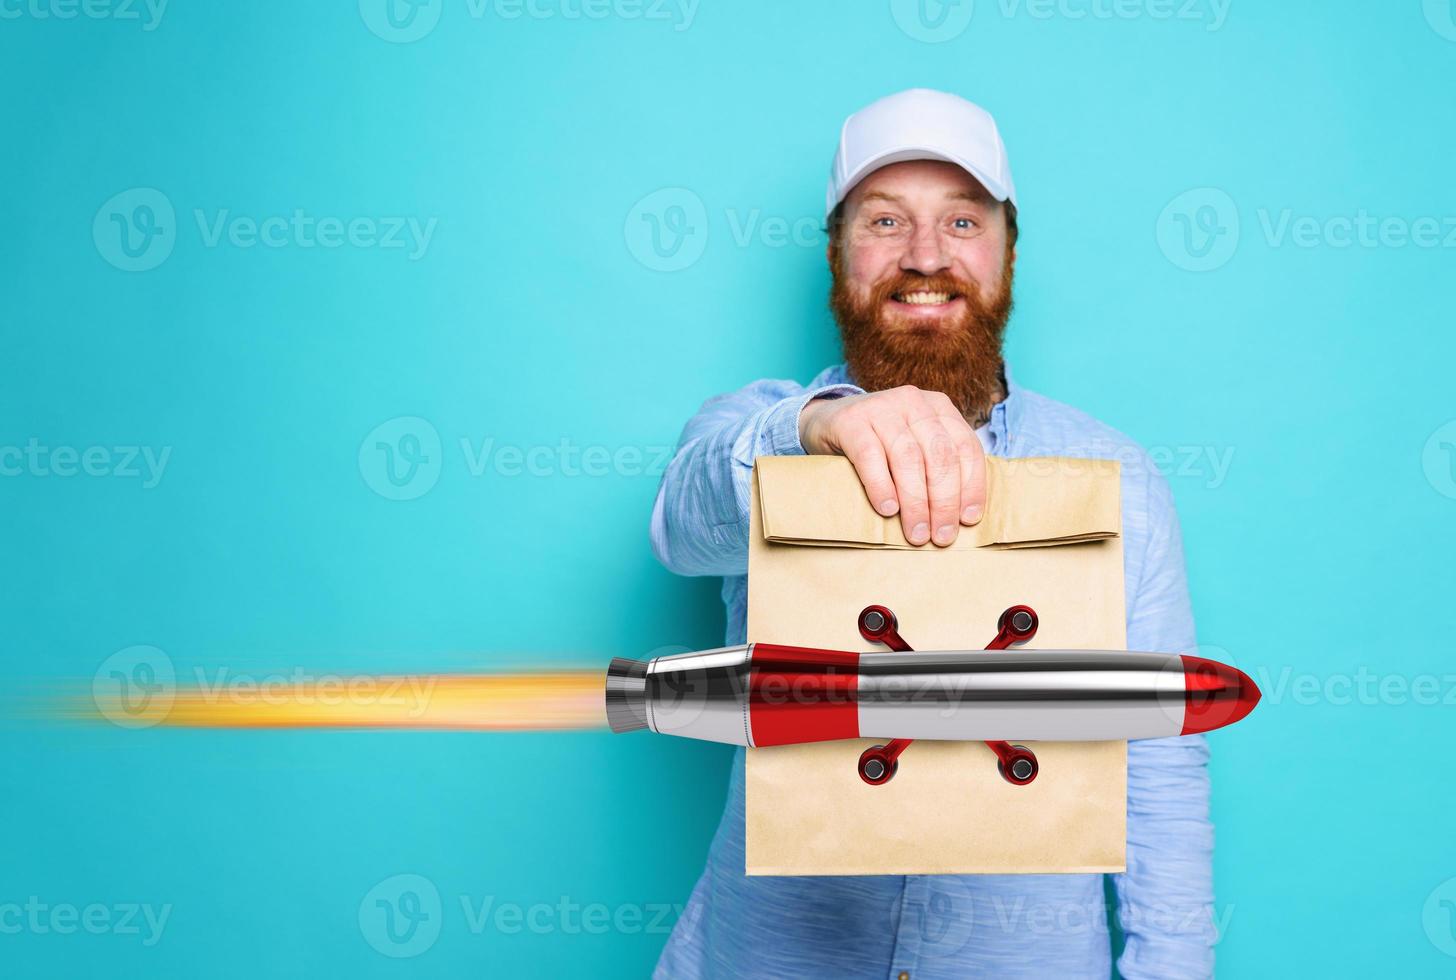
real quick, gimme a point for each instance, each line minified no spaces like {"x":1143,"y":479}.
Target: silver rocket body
{"x":960,"y":695}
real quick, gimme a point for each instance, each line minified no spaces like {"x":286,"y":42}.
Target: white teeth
{"x":925,"y":299}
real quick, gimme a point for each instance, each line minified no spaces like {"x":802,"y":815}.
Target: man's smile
{"x":924,"y":302}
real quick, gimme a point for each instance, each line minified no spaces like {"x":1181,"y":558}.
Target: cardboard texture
{"x":818,"y":554}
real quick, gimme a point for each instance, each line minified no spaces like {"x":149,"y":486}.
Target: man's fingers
{"x":972,"y":460}
{"x":942,"y":476}
{"x":865,"y":451}
{"x":907,"y":468}
{"x":973,"y":482}
{"x":916,"y":455}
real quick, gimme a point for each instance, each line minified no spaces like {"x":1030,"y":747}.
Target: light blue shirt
{"x":932,"y":926}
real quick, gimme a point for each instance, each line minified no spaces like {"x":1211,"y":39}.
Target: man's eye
{"x":965,"y":224}
{"x":885,"y":222}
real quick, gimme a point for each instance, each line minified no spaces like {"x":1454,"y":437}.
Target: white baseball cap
{"x":920,"y":124}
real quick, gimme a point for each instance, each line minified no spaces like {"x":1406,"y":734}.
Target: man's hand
{"x":913,"y":451}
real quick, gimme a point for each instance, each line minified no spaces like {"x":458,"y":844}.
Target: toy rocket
{"x":763,"y":694}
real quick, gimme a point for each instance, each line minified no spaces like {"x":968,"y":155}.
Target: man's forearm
{"x":700,"y":518}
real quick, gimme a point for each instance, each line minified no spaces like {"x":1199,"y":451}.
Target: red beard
{"x":959,"y":354}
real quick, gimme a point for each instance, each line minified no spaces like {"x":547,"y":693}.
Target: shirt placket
{"x":1000,"y":434}
{"x":905,"y":959}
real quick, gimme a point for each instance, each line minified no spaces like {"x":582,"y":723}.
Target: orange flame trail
{"x":527,"y":701}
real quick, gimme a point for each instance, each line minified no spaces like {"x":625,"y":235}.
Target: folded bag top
{"x":1031,"y":503}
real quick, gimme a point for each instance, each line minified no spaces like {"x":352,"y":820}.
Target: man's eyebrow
{"x":976,"y":196}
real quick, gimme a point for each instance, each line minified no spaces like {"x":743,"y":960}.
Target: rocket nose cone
{"x":1215,"y":695}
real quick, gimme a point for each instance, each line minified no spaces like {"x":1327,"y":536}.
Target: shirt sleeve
{"x":700,"y":518}
{"x":1165,"y":898}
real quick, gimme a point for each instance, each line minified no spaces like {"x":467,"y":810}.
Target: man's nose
{"x":925,"y":253}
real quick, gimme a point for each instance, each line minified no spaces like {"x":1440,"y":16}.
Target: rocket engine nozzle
{"x":626,"y":695}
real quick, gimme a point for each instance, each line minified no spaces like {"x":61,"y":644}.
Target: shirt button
{"x":904,"y":975}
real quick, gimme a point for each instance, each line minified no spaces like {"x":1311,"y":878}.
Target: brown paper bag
{"x":818,"y":554}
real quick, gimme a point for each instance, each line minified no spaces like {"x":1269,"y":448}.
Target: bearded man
{"x":922,"y":222}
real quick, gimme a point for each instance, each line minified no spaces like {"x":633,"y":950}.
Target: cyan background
{"x":541,"y":312}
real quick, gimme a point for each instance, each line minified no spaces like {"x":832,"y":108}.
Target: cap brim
{"x":907,"y":153}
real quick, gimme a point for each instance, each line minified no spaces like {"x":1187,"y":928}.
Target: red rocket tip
{"x":1214,"y":695}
